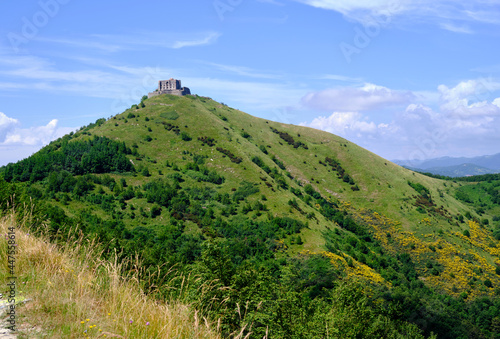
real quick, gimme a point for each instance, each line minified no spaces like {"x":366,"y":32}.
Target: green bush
{"x":155,"y":211}
{"x":145,"y":172}
{"x":244,"y":190}
{"x":185,"y":136}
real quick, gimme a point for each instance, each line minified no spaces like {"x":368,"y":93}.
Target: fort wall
{"x":171,"y":86}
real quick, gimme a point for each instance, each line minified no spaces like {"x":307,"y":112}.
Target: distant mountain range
{"x":455,"y":167}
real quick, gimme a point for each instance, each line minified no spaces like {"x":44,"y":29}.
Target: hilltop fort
{"x":171,"y":86}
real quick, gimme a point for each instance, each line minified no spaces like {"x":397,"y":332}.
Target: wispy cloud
{"x":127,"y":83}
{"x":457,"y":29}
{"x":348,"y":6}
{"x":208,"y":40}
{"x":442,"y":12}
{"x":490,"y":16}
{"x":84,"y":43}
{"x":111,"y":43}
{"x":359,"y":10}
{"x":104,"y":79}
{"x":341,"y":78}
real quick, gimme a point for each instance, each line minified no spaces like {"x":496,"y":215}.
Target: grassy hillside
{"x":71,"y":293}
{"x":383,"y":186}
{"x":188,"y":180}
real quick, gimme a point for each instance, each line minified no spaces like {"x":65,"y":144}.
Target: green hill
{"x":283,"y":219}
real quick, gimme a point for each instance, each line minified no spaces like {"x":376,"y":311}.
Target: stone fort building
{"x":171,"y":86}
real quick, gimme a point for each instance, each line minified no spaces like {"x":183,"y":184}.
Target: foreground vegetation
{"x":268,"y":230}
{"x":73,"y":293}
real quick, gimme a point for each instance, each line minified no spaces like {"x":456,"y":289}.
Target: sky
{"x":409,"y":79}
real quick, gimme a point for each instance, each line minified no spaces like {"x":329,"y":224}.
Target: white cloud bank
{"x":343,"y":123}
{"x":465,"y":120}
{"x":365,"y":98}
{"x":17,"y":142}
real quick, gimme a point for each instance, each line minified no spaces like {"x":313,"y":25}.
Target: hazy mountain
{"x":456,"y":167}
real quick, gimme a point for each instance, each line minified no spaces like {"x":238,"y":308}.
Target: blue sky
{"x":411,"y":79}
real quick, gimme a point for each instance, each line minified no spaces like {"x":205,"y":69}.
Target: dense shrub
{"x":289,"y":139}
{"x":231,"y":156}
{"x":185,"y":136}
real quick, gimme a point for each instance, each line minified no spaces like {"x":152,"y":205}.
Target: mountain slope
{"x":209,"y":182}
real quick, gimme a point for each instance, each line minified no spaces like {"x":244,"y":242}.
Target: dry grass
{"x":74,"y":294}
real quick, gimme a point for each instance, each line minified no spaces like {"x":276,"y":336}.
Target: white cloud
{"x":102,"y":80}
{"x":463,"y":120}
{"x":104,"y":46}
{"x":6,"y":125}
{"x":486,"y":16}
{"x":34,"y":136}
{"x":455,"y":28}
{"x":126,"y":84}
{"x":111,"y":43}
{"x":469,"y":98}
{"x":343,"y":124}
{"x":443,"y":12}
{"x":17,"y":143}
{"x":368,"y":97}
{"x":342,"y":78}
{"x":207,"y":40}
{"x":347,"y":7}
